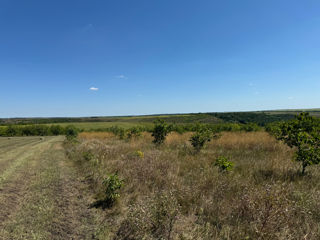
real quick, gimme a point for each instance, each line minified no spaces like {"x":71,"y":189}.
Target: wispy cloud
{"x":87,"y":27}
{"x":94,"y":89}
{"x":290,"y":98}
{"x":121,"y":76}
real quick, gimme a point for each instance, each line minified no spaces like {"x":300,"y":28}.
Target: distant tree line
{"x":261,"y":118}
{"x":33,"y":130}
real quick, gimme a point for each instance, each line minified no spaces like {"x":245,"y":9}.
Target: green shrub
{"x":303,"y":133}
{"x":134,"y":132}
{"x":3,"y":131}
{"x":56,"y":130}
{"x":199,"y":139}
{"x":112,"y":185}
{"x":118,"y":131}
{"x":71,"y":132}
{"x":250,"y":127}
{"x":11,"y":131}
{"x":223,"y":164}
{"x":160,"y":131}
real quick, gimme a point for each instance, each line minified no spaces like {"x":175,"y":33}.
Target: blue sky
{"x":122,"y":57}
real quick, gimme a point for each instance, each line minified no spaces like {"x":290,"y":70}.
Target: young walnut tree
{"x":302,"y":133}
{"x":160,"y":131}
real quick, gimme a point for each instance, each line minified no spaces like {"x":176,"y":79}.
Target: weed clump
{"x":139,"y":154}
{"x":223,"y":164}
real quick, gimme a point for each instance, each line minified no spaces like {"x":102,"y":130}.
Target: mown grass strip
{"x":16,"y":148}
{"x":20,"y":160}
{"x":49,"y":211}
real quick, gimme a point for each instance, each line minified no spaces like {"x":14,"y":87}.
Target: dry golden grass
{"x":95,"y":135}
{"x":172,"y":193}
{"x":246,"y":140}
{"x":174,"y":138}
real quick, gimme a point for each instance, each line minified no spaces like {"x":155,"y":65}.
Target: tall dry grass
{"x":96,"y":135}
{"x":172,"y":193}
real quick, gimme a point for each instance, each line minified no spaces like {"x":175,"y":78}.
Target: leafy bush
{"x":118,"y":131}
{"x":199,"y":139}
{"x":133,"y":132}
{"x":71,"y":132}
{"x":3,"y":131}
{"x":303,"y":133}
{"x":160,"y":131}
{"x":202,"y":135}
{"x":112,"y":185}
{"x":250,"y":127}
{"x":11,"y":131}
{"x":223,"y":164}
{"x":56,"y":130}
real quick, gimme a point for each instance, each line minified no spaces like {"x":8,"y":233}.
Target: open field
{"x":41,"y":196}
{"x":170,"y":192}
{"x":262,"y":119}
{"x":102,"y":125}
{"x":51,"y":189}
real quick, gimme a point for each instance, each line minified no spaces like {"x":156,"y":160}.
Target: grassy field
{"x":41,"y":196}
{"x":102,"y":125}
{"x":262,"y":119}
{"x":170,"y":192}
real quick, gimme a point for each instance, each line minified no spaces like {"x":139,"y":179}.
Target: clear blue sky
{"x":119,"y":57}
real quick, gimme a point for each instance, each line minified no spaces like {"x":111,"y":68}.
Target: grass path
{"x":41,"y":196}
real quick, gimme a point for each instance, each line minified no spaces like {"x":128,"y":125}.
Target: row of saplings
{"x":302,"y":133}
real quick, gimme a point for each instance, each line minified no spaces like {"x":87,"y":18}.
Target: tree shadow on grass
{"x":291,"y":175}
{"x":103,"y":204}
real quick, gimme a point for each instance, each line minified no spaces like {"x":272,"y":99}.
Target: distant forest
{"x":260,"y":118}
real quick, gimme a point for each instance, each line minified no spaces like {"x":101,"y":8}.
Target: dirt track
{"x":41,"y":196}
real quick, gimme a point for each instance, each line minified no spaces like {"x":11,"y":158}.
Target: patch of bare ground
{"x":42,"y":197}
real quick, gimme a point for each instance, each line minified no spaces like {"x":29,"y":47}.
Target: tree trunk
{"x":303,"y":168}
